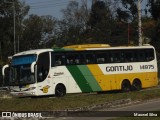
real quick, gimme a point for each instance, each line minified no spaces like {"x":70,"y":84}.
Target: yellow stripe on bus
{"x":99,"y":76}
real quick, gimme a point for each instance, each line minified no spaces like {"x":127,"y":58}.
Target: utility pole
{"x":14,"y":16}
{"x":139,"y":23}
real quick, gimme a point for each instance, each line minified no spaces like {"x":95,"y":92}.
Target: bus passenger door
{"x":43,"y":66}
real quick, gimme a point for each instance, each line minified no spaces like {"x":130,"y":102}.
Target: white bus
{"x":82,"y":69}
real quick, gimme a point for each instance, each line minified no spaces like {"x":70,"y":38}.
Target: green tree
{"x":154,"y":8}
{"x":128,"y":10}
{"x":128,"y":13}
{"x":101,"y":23}
{"x":38,"y":30}
{"x":99,"y":12}
{"x":6,"y":24}
{"x":73,"y":24}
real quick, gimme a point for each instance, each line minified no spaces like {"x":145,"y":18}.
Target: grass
{"x":71,"y":100}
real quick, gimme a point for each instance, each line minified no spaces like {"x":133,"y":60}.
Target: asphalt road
{"x":148,"y":108}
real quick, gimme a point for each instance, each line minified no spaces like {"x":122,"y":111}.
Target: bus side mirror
{"x":3,"y":69}
{"x":32,"y":67}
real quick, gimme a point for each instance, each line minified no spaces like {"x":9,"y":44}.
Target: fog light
{"x":33,"y":93}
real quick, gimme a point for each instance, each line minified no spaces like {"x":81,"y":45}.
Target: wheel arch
{"x":124,"y":81}
{"x":59,"y":84}
{"x":127,"y":83}
{"x":137,"y":80}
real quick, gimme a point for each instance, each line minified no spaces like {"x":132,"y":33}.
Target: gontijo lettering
{"x":119,"y":68}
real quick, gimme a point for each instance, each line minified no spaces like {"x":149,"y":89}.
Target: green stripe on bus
{"x":68,"y":49}
{"x":89,"y":77}
{"x":79,"y":78}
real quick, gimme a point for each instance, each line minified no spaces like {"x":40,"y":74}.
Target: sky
{"x":48,"y":7}
{"x":54,"y":7}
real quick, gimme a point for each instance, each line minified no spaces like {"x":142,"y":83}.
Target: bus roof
{"x":89,"y":46}
{"x":81,"y":47}
{"x":98,"y":47}
{"x":36,"y":51}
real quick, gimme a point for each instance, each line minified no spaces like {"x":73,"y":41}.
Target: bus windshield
{"x":20,"y":71}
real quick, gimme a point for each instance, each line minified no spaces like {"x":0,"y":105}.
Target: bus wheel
{"x":125,"y":87}
{"x":136,"y":86}
{"x":60,"y":90}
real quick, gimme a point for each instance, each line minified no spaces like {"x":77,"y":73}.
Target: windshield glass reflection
{"x":21,"y":74}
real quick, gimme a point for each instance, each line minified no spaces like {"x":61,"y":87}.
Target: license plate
{"x":20,"y":94}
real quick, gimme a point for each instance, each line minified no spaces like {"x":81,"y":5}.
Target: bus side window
{"x":141,"y":56}
{"x":109,"y":58}
{"x":116,"y":57}
{"x":89,"y":58}
{"x":129,"y":56}
{"x":149,"y":54}
{"x":59,"y":59}
{"x":101,"y":58}
{"x":72,"y":59}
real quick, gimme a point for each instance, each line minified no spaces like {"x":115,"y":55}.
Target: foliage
{"x":155,"y":8}
{"x":6,"y":22}
{"x":107,"y":21}
{"x":100,"y":23}
{"x":128,"y":11}
{"x":70,"y":29}
{"x":99,"y":13}
{"x":37,"y":31}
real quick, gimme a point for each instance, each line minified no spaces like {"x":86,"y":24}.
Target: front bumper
{"x":23,"y":94}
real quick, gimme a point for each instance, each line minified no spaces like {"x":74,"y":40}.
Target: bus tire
{"x":136,"y":85}
{"x":60,"y":90}
{"x":125,"y":86}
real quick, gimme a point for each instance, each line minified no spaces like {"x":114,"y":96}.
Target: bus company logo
{"x":58,"y":73}
{"x":6,"y":114}
{"x":45,"y":89}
